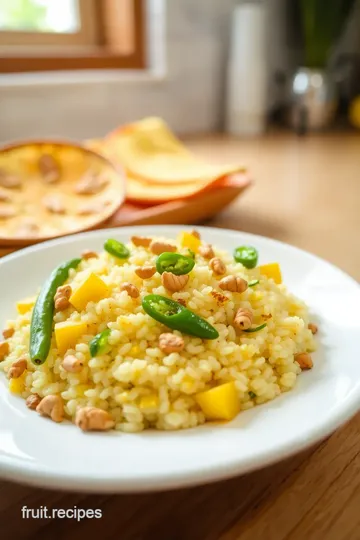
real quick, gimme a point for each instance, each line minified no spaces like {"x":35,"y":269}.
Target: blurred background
{"x":273,"y":85}
{"x":171,"y":59}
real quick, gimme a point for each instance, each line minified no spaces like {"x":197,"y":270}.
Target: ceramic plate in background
{"x":37,"y":451}
{"x":32,"y":220}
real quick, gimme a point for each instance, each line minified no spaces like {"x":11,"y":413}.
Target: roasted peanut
{"x":93,"y":419}
{"x":145,"y":272}
{"x":221,"y":299}
{"x":174,"y":283}
{"x":93,"y":208}
{"x":90,"y":184}
{"x":4,"y":349}
{"x":141,"y":241}
{"x":195,"y":233}
{"x":7,"y":212}
{"x":51,"y":406}
{"x":169,"y":343}
{"x":206,"y":251}
{"x":4,"y":197}
{"x":304,"y":360}
{"x":233,"y":284}
{"x":88,"y":254}
{"x":217,"y":266}
{"x":243,"y":319}
{"x":17,"y":369}
{"x":9,"y":180}
{"x":49,"y":168}
{"x":62,"y":296}
{"x":130,"y":289}
{"x":27,"y":228}
{"x":32,"y":401}
{"x":54,"y":204}
{"x":313,"y":327}
{"x":8,"y":333}
{"x":72,"y":364}
{"x":158,"y":247}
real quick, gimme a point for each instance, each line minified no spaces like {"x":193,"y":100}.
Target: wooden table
{"x":307,"y":193}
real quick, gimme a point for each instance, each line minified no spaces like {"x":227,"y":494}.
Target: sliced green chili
{"x":253,"y":282}
{"x":116,"y":249}
{"x":99,"y":343}
{"x":177,"y":317}
{"x":175,"y":263}
{"x":191,"y":253}
{"x":256,"y":328}
{"x":42,"y":317}
{"x":252,"y":395}
{"x":247,"y":256}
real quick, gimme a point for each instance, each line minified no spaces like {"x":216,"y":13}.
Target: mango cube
{"x":17,"y":386}
{"x":149,"y":402}
{"x":23,"y":306}
{"x":92,"y":289}
{"x":220,"y":403}
{"x":271,"y":270}
{"x":67,"y":334}
{"x":188,"y":240}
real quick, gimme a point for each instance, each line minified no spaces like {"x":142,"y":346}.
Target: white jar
{"x":247,"y":71}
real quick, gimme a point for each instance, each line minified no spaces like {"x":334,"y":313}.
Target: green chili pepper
{"x":252,"y":395}
{"x":191,"y":253}
{"x":175,"y":263}
{"x":177,"y":317}
{"x":256,"y":328}
{"x":247,"y":256}
{"x":117,"y":249}
{"x":99,"y":343}
{"x":253,"y":282}
{"x":42,"y":317}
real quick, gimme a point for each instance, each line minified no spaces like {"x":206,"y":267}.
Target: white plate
{"x":38,"y":451}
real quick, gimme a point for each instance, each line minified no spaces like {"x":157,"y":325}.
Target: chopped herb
{"x":252,"y":395}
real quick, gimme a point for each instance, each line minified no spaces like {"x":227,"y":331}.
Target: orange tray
{"x":187,"y":211}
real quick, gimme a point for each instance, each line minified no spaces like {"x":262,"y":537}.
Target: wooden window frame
{"x":117,"y":41}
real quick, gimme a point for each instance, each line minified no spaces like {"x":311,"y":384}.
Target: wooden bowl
{"x":51,"y":188}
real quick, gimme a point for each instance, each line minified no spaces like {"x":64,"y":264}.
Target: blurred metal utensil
{"x":311,"y":100}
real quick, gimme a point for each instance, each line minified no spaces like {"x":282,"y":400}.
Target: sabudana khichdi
{"x":159,"y":333}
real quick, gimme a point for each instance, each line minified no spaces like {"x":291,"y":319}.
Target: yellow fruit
{"x":354,"y":112}
{"x":149,"y":402}
{"x":68,"y":333}
{"x":81,"y":389}
{"x":17,"y":386}
{"x":271,"y":270}
{"x":92,"y":289}
{"x":220,"y":403}
{"x":189,"y":241}
{"x":23,"y":306}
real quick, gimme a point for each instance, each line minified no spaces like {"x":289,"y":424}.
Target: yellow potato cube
{"x":17,"y":386}
{"x":92,"y":289}
{"x":23,"y":306}
{"x":271,"y":270}
{"x":188,"y":240}
{"x":67,"y":334}
{"x":149,"y":402}
{"x":220,"y":403}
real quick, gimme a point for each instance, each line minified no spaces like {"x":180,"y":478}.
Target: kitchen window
{"x":49,"y":35}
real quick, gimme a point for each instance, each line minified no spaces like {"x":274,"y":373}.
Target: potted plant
{"x":313,"y":92}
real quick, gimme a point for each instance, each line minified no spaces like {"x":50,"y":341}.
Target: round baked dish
{"x":55,"y":188}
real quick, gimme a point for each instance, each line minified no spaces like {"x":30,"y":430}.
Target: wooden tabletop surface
{"x":307,"y":193}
